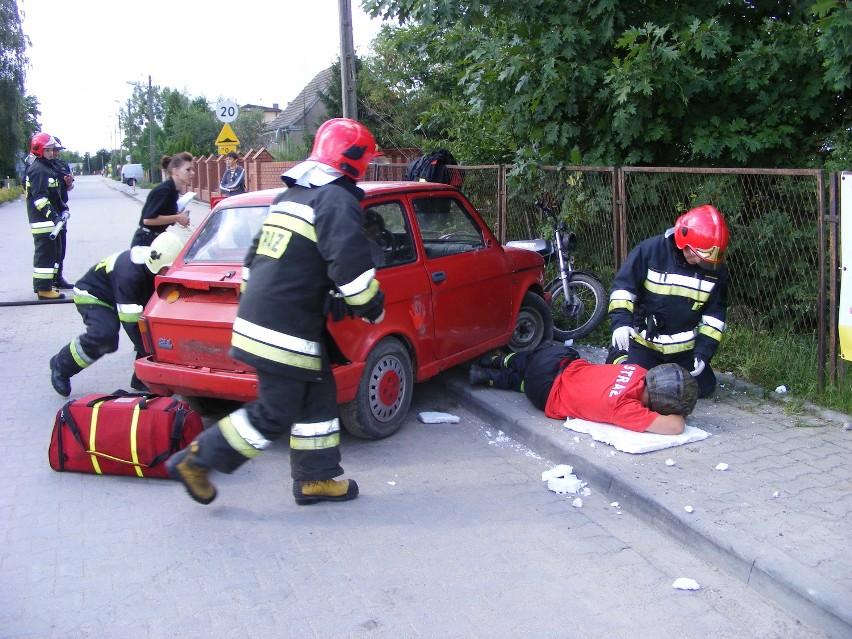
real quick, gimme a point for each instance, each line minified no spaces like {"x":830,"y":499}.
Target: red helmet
{"x":345,"y":145}
{"x":704,"y":231}
{"x":42,"y":141}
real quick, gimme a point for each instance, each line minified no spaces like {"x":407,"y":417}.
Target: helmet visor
{"x":712,"y":255}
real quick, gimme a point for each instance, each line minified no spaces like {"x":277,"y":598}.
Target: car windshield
{"x":227,"y":235}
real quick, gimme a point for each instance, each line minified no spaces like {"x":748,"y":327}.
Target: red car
{"x":452,"y":293}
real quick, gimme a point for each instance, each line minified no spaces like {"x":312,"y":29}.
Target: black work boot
{"x":138,"y":385}
{"x":186,"y":467}
{"x":61,"y":283}
{"x":493,"y":359}
{"x":311,"y":492}
{"x":61,"y":383}
{"x":480,"y":376}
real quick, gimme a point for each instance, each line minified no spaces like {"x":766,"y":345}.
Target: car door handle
{"x":439,"y":276}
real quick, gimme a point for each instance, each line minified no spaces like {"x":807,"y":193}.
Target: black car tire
{"x":384,"y":393}
{"x":534,"y":324}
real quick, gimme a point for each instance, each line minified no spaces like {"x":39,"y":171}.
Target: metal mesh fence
{"x":778,"y":260}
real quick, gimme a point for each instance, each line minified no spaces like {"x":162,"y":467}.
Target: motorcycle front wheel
{"x":584,"y":309}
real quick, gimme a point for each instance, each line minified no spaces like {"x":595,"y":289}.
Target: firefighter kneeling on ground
{"x":113,"y":293}
{"x":310,"y":248}
{"x":556,"y":380}
{"x":669,"y":299}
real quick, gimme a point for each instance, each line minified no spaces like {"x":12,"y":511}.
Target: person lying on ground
{"x":558,"y":381}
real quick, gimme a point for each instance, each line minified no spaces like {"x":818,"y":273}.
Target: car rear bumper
{"x":175,"y":379}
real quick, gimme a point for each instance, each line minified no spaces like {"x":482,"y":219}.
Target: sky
{"x":83,"y":54}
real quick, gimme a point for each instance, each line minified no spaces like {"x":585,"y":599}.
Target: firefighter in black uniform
{"x":112,"y":294}
{"x":310,"y":246}
{"x":669,"y":299}
{"x":44,"y":209}
{"x":66,"y":183}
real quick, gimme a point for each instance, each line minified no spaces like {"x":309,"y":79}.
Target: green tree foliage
{"x":13,"y":61}
{"x":701,"y":83}
{"x":188,"y":125}
{"x":249,"y":127}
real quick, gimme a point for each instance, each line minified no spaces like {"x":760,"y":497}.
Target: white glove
{"x":621,"y":337}
{"x":698,"y":366}
{"x":375,"y":321}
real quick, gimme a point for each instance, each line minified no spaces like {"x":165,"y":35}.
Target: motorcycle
{"x":578,"y":299}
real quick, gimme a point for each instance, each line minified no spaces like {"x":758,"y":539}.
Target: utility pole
{"x":151,"y":131}
{"x":349,"y":97}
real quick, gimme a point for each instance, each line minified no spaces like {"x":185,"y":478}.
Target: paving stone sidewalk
{"x":778,"y":518}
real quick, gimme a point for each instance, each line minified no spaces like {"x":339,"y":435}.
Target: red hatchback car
{"x":452,"y":293}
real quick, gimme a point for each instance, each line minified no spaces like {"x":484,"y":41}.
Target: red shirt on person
{"x":607,"y":393}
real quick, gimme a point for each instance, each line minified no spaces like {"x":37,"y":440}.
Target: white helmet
{"x":163,"y":251}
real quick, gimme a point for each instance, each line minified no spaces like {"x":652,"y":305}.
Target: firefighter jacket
{"x":674,"y":306}
{"x":118,"y":283}
{"x":44,"y":196}
{"x":310,"y":243}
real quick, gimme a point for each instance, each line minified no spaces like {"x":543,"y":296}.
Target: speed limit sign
{"x":227,"y":111}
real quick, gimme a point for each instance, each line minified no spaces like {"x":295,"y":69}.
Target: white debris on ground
{"x":560,"y":479}
{"x":577,"y":503}
{"x":614,"y":504}
{"x":688,"y":509}
{"x":685,"y":583}
{"x":722,"y":466}
{"x":781,"y":389}
{"x":430,"y":417}
{"x":670,"y":462}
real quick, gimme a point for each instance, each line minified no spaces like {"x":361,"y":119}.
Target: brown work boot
{"x":311,"y":492}
{"x":186,"y":468}
{"x":52,"y":294}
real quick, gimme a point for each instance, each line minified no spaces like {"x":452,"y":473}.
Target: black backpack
{"x":432,"y":167}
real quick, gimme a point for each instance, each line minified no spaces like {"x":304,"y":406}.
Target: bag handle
{"x":143,"y":404}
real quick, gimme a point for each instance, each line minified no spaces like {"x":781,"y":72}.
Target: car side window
{"x":445,"y":227}
{"x":386,"y":226}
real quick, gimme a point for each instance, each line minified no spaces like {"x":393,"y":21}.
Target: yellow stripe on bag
{"x":92,"y":434}
{"x":133,"y":452}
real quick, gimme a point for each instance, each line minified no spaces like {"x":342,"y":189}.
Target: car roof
{"x":266,"y":196}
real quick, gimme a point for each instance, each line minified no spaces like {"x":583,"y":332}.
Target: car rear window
{"x":227,"y":234}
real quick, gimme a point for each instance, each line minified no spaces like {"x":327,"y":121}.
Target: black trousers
{"x":307,"y":411}
{"x":533,"y":372}
{"x":44,"y":262}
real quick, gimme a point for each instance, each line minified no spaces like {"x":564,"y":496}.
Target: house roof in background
{"x":295,"y":111}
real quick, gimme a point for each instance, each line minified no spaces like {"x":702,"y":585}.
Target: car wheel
{"x":384,"y":393}
{"x":211,"y":409}
{"x":534,"y":324}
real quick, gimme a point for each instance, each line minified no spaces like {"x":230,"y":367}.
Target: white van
{"x":131,"y":174}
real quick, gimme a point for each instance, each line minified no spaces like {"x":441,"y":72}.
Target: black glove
{"x":337,"y":306}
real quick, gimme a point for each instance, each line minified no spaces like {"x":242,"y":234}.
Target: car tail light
{"x":147,"y":342}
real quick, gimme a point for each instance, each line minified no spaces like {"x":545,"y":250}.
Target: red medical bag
{"x":121,"y":434}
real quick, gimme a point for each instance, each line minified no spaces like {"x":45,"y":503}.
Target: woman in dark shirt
{"x":161,"y":209}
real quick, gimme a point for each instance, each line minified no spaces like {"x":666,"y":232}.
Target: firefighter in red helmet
{"x":45,"y":210}
{"x":310,"y":249}
{"x":669,"y":299}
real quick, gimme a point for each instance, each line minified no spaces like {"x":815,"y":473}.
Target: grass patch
{"x":11,"y":194}
{"x":772,"y":359}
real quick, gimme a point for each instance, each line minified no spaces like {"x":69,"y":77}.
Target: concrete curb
{"x":774,"y":574}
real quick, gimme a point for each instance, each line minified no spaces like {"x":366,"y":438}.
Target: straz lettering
{"x":621,"y":381}
{"x":273,"y":241}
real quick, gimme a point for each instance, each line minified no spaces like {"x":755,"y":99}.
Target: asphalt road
{"x":454,"y":535}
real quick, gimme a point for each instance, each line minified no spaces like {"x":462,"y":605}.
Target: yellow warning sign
{"x":227,"y":140}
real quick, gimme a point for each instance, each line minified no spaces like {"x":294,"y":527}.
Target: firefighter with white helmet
{"x":310,"y":249}
{"x":112,"y":294}
{"x":44,"y":209}
{"x":669,"y":300}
